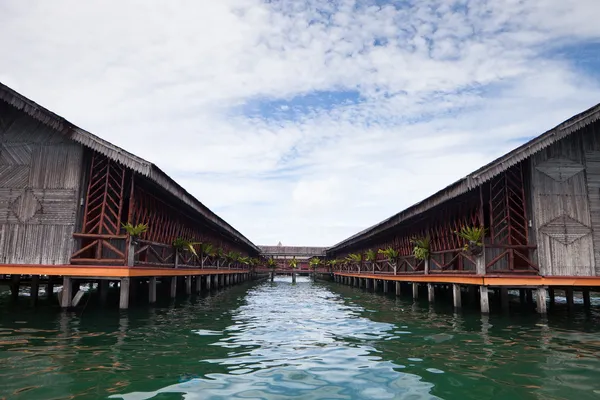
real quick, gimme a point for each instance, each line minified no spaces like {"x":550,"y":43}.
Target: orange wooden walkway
{"x":109,"y":271}
{"x":486,"y":280}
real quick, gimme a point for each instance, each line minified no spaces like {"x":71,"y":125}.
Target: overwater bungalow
{"x":529,"y":219}
{"x":65,"y":196}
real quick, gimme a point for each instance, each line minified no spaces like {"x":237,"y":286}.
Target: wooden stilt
{"x":398,"y":289}
{"x":529,"y":295}
{"x":415,"y":287}
{"x":431,"y":292}
{"x":504,"y":299}
{"x":551,"y":293}
{"x":198,"y":284}
{"x":14,"y":286}
{"x":484,"y":300}
{"x":50,"y":288}
{"x":586,"y":298}
{"x":188,"y":285}
{"x":173,"y":291}
{"x":152,"y":290}
{"x":124,"y":294}
{"x":569,"y":296}
{"x":456,"y":295}
{"x":66,"y":294}
{"x":208,"y":279}
{"x":541,"y":300}
{"x":385,"y":286}
{"x":35,"y":288}
{"x":103,"y":286}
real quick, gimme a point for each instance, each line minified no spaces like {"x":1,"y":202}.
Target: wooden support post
{"x":385,"y":286}
{"x":504,"y":299}
{"x":541,"y":300}
{"x":173,"y":291}
{"x":484,"y":300}
{"x":480,"y":265}
{"x":124,"y":294}
{"x":522,"y":299}
{"x":398,"y":288}
{"x":66,"y":295}
{"x":50,"y":288}
{"x":152,"y":290}
{"x":14,"y":286}
{"x":130,"y":253}
{"x":188,"y":285}
{"x":103,"y":289}
{"x":35,"y":288}
{"x":208,"y":278}
{"x":585,"y":293}
{"x":569,"y":296}
{"x":426,"y":266}
{"x":198,"y":284}
{"x":415,"y":290}
{"x":551,"y":293}
{"x":456,"y":295}
{"x":431,"y":292}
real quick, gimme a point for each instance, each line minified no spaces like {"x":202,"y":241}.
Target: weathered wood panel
{"x":562,"y":213}
{"x":592,"y":161}
{"x":39,"y":184}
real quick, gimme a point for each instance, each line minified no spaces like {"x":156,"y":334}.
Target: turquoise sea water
{"x":304,"y":341}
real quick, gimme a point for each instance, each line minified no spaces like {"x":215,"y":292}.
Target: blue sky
{"x":307,"y":121}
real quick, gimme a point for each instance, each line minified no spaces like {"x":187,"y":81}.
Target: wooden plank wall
{"x":562,"y":211}
{"x":591,"y":145}
{"x":39,"y":189}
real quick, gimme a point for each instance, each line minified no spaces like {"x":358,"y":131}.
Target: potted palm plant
{"x":391,"y":257}
{"x":371,"y":258}
{"x":134,"y":231}
{"x":184,"y":245}
{"x":354,"y":259}
{"x":206,"y":252}
{"x":473,"y":237}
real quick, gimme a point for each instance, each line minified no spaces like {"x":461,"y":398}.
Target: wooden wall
{"x":40,"y":174}
{"x":560,"y":178}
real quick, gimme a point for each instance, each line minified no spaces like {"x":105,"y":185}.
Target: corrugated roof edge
{"x":480,"y":176}
{"x":117,"y":154}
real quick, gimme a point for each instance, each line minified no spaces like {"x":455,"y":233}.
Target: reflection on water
{"x":304,"y":341}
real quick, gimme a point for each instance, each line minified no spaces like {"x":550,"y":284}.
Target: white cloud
{"x":453,"y":85}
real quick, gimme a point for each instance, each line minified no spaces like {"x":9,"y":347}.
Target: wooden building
{"x":283,"y":255}
{"x":65,"y":195}
{"x":539,"y":204}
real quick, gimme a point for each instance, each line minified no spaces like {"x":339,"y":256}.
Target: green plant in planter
{"x":390,"y":254}
{"x":473,"y":235}
{"x":370,"y":255}
{"x":135,"y":230}
{"x":294,"y":263}
{"x":314,"y":263}
{"x":421,"y":248}
{"x":271,"y":263}
{"x":182,"y":244}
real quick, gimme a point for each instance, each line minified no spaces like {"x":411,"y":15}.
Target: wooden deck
{"x":487,"y":280}
{"x":106,"y":271}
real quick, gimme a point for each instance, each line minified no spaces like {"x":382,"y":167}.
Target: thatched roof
{"x":480,"y":176}
{"x":117,"y":154}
